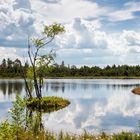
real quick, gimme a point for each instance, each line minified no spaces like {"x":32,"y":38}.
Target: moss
{"x":47,"y":104}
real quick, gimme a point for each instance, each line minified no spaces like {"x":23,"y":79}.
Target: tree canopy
{"x":40,"y":62}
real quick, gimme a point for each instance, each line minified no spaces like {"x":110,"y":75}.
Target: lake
{"x":96,"y":104}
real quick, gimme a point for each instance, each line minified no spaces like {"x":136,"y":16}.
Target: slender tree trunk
{"x":36,"y":83}
{"x":26,"y":83}
{"x":40,"y":85}
{"x":33,"y":63}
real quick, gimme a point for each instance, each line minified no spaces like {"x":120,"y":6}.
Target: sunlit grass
{"x":8,"y":133}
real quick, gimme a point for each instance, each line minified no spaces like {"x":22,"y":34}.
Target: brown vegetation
{"x":136,"y":90}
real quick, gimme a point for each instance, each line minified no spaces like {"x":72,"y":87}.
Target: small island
{"x":47,"y":104}
{"x":136,"y":90}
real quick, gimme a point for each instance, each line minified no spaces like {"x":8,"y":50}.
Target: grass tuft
{"x":47,"y":104}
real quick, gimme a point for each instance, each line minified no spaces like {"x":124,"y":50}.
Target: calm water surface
{"x":96,"y":105}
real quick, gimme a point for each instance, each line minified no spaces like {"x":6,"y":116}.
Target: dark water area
{"x":96,"y":105}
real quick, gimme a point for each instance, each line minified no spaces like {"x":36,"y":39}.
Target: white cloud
{"x":92,"y":45}
{"x":121,"y":15}
{"x":85,"y":39}
{"x":66,"y":10}
{"x":16,"y":23}
{"x":13,"y":53}
{"x":125,"y":13}
{"x":131,"y":37}
{"x":8,"y":52}
{"x":133,"y":6}
{"x":83,"y":34}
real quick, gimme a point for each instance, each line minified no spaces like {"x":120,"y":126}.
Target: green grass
{"x":47,"y":104}
{"x":8,"y":133}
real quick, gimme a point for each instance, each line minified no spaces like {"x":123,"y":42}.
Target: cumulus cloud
{"x":10,"y":53}
{"x":85,"y":38}
{"x":16,"y":23}
{"x":132,"y":38}
{"x":83,"y":34}
{"x":65,"y":10}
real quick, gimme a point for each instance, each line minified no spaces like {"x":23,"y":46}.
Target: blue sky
{"x":98,"y":32}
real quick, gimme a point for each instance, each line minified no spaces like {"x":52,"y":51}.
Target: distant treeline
{"x":9,"y":68}
{"x":95,"y":71}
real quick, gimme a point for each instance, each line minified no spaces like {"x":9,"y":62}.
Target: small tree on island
{"x":40,"y":63}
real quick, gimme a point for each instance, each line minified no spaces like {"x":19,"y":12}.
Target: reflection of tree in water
{"x":17,"y":87}
{"x":85,"y":86}
{"x":121,"y":86}
{"x":34,"y":117}
{"x":56,"y":86}
{"x":47,"y":87}
{"x":62,"y":86}
{"x":34,"y":121}
{"x":11,"y":87}
{"x":3,"y":87}
{"x":73,"y":86}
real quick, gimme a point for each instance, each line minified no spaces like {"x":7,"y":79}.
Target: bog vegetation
{"x":47,"y":104}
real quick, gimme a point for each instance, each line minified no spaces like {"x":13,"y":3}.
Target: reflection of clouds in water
{"x":115,"y":113}
{"x":127,"y":104}
{"x":95,"y":104}
{"x":6,"y":97}
{"x":65,"y":119}
{"x":4,"y":108}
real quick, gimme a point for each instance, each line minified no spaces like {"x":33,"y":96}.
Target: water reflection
{"x":61,"y":86}
{"x":11,"y":86}
{"x":95,"y":104}
{"x":114,"y":114}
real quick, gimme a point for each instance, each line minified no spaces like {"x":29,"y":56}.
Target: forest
{"x":10,"y":68}
{"x":13,"y":69}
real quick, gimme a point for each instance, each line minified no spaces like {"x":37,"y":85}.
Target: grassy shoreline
{"x":98,"y":77}
{"x":77,"y":77}
{"x":9,"y":134}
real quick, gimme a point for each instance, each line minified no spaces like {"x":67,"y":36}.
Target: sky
{"x":98,"y":32}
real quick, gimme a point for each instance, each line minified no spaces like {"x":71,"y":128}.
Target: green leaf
{"x":53,"y":29}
